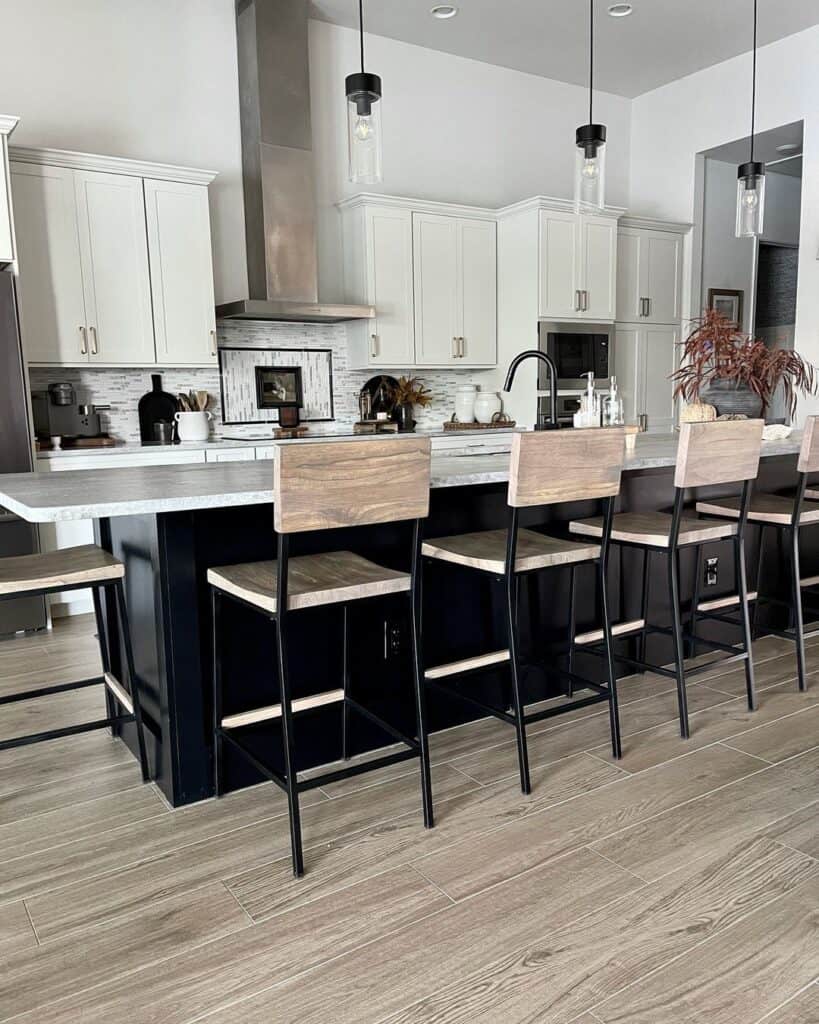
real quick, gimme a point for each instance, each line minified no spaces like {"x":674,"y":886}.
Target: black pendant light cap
{"x":590,"y":137}
{"x":362,"y":83}
{"x":751,"y":169}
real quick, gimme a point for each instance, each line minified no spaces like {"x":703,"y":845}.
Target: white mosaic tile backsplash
{"x":122,"y":388}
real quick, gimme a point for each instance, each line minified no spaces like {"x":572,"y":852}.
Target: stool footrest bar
{"x":69,"y":730}
{"x":119,"y":691}
{"x":467,"y":665}
{"x":272,"y":711}
{"x":618,"y":629}
{"x":727,"y":601}
{"x":45,"y":691}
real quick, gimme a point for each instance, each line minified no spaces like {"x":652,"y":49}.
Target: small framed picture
{"x":727,"y":301}
{"x":278,"y":387}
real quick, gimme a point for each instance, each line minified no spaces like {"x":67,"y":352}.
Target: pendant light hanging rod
{"x":591,"y":59}
{"x":753,"y":84}
{"x":361,"y":31}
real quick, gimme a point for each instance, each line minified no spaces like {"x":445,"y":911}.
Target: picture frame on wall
{"x":279,"y":387}
{"x":727,"y":301}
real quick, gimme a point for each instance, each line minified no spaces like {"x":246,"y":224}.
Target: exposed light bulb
{"x":750,"y":199}
{"x":591,"y":170}
{"x":363,"y":129}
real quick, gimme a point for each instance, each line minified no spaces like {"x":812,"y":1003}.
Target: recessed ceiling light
{"x":620,"y":10}
{"x":443,"y":11}
{"x":788,"y":147}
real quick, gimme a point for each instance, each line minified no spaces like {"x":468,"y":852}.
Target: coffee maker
{"x":57,"y":414}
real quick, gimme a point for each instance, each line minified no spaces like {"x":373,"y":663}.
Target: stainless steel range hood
{"x":277,"y":169}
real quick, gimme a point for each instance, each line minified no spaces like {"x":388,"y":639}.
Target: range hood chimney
{"x":277,"y":169}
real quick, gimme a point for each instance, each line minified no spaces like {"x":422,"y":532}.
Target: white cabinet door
{"x":179,"y":250}
{"x":628,"y":369}
{"x":659,"y":357}
{"x":388,"y":247}
{"x":598,"y":267}
{"x":662,"y":273}
{"x":6,"y":224}
{"x":559,"y":265}
{"x":630,"y":307}
{"x":116,"y":283}
{"x":435,"y":243}
{"x":52,"y":306}
{"x":478,"y":280}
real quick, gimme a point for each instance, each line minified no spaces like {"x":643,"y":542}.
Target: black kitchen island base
{"x":167,"y":556}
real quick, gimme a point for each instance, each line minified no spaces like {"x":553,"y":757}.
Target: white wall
{"x":150,"y":79}
{"x":454,"y":129}
{"x":783,"y":208}
{"x":672,"y":124}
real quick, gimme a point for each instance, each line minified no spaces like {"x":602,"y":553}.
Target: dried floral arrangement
{"x":718,"y":350}
{"x":411,"y":391}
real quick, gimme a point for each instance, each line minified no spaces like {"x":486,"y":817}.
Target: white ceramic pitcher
{"x":193,"y":426}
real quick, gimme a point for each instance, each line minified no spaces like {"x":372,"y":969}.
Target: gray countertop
{"x":97,"y":493}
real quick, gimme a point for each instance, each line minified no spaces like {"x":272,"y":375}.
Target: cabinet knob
{"x":83,"y":340}
{"x":95,"y":349}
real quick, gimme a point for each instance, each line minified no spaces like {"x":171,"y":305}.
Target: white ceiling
{"x":765,"y":149}
{"x":660,"y":41}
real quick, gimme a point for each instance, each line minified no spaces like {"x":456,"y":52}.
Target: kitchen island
{"x":170,"y":524}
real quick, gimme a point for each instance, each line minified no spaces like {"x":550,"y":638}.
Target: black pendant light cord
{"x":591,"y":58}
{"x":361,"y":31}
{"x":753,"y":87}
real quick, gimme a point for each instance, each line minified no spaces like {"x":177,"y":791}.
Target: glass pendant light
{"x":363,"y":119}
{"x":590,"y":148}
{"x":751,"y":175}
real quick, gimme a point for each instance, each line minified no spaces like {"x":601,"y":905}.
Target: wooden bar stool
{"x":787,"y":515}
{"x":78,"y":569}
{"x":708,"y":454}
{"x":325,"y":486}
{"x":546,"y":468}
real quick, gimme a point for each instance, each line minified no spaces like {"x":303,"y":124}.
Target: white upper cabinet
{"x":114,"y":258}
{"x":578,"y":266}
{"x":455,"y":272}
{"x":649,"y":275}
{"x":7,"y":248}
{"x":50,"y":287}
{"x":179,"y":251}
{"x":431,"y":273}
{"x":90,"y":291}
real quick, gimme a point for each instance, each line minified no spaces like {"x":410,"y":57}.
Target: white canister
{"x":487,"y":403}
{"x":465,"y":402}
{"x":193,"y":426}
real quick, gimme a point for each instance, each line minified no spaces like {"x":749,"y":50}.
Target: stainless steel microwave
{"x":577,"y":349}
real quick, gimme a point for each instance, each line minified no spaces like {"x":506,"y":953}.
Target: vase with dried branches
{"x":725,"y":367}
{"x":409,"y":392}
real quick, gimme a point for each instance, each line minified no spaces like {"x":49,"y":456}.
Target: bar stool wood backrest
{"x":809,"y":452}
{"x":548,"y":467}
{"x":331,"y":484}
{"x":719,"y":452}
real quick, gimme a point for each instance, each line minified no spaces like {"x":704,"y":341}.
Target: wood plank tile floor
{"x":679,"y":885}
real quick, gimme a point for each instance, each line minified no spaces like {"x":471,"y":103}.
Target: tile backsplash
{"x":122,"y":388}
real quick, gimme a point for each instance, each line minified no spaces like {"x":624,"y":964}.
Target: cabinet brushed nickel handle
{"x":454,"y":347}
{"x":373,"y":345}
{"x":585,"y":301}
{"x":577,"y":301}
{"x":83,"y":340}
{"x":461,"y":347}
{"x":213,"y":345}
{"x":648,"y":306}
{"x":95,"y":349}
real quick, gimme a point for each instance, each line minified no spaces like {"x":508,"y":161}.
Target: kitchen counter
{"x":104,"y":493}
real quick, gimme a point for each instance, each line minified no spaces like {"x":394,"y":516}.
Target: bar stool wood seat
{"x":546,"y":468}
{"x":315,"y":580}
{"x":654,"y":529}
{"x":486,"y":550}
{"x":708,"y":455}
{"x":324,"y":486}
{"x":53,"y":569}
{"x":72,"y":569}
{"x":787,"y":516}
{"x":776,"y":509}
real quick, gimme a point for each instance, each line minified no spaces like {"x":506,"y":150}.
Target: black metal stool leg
{"x":676,"y":629}
{"x":745,"y":618}
{"x":614,"y":709}
{"x":517,"y":698}
{"x":416,"y":621}
{"x":102,"y":639}
{"x":218,"y":741}
{"x":759,"y":578}
{"x":641,"y":643}
{"x":345,"y":682}
{"x":798,"y":623}
{"x":289,"y":751}
{"x":125,"y":627}
{"x":572,"y":618}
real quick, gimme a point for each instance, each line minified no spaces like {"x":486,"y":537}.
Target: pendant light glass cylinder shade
{"x":750,"y":199}
{"x":590,"y":168}
{"x":364,"y":128}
